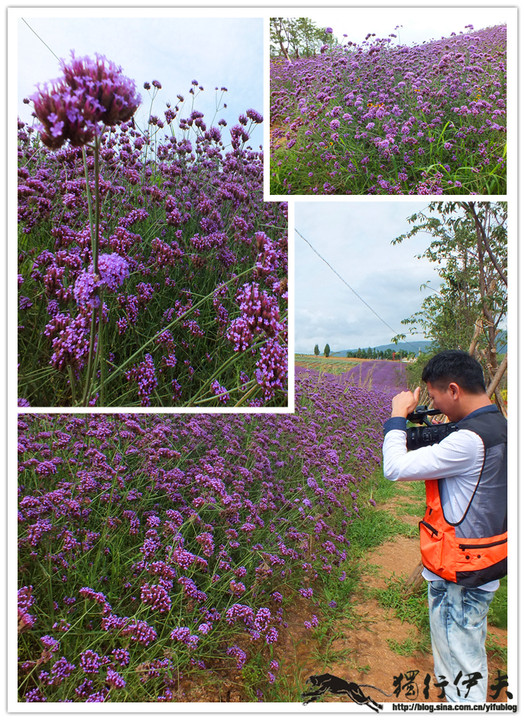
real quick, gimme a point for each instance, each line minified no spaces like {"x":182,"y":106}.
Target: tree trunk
{"x":497,"y":377}
{"x":478,"y":327}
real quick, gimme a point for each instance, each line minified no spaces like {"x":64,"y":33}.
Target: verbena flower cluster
{"x":112,"y":271}
{"x":191,"y":289}
{"x":91,"y":91}
{"x":155,"y":550}
{"x":381,"y":118}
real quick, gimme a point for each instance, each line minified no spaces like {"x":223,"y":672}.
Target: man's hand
{"x":405,"y":402}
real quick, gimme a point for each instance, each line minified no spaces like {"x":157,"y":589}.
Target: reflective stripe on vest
{"x":445,"y":551}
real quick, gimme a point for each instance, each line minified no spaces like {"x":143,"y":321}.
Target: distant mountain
{"x":413,"y":346}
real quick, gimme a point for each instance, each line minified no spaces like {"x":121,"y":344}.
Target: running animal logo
{"x":332,"y":684}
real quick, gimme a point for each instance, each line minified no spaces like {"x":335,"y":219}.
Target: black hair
{"x":455,"y":366}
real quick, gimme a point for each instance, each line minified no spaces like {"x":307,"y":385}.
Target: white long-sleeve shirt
{"x":458,"y":458}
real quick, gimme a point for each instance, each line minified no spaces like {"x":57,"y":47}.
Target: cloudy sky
{"x":216,"y":49}
{"x":418,"y":24}
{"x":355,"y":238}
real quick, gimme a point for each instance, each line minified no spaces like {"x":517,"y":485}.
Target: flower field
{"x":151,"y":272}
{"x":384,"y":119}
{"x":388,"y":375}
{"x":161,"y":552}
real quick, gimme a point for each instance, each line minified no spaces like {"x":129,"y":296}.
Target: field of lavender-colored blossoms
{"x":161,"y":280}
{"x":161,"y":552}
{"x":387,"y":375}
{"x":384,"y":119}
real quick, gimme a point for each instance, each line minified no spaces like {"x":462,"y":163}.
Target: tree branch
{"x":483,"y":235}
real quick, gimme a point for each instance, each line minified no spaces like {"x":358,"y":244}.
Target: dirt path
{"x":377,"y":647}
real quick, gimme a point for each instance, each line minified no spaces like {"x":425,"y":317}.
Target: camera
{"x":426,"y":433}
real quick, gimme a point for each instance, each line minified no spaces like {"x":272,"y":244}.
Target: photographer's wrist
{"x":399,"y":412}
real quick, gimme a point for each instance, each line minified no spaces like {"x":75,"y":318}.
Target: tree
{"x":327,"y":350}
{"x":316,"y":350}
{"x":469,"y":246}
{"x":297,"y":37}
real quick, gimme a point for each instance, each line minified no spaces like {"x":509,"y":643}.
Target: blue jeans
{"x":458,"y":626}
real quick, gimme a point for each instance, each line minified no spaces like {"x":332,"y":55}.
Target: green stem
{"x":250,"y":392}
{"x":99,"y":359}
{"x":72,"y":383}
{"x":103,"y":366}
{"x":234,"y":358}
{"x":89,"y":200}
{"x":97,"y":206}
{"x":92,"y":335}
{"x":95,"y":241}
{"x":138,"y":352}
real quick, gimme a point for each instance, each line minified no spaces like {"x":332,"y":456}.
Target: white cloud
{"x":355,"y":238}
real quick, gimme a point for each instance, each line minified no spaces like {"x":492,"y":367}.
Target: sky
{"x":355,"y":238}
{"x":419,"y":24}
{"x":216,"y":51}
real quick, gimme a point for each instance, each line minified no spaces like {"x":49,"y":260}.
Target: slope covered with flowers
{"x":160,"y":550}
{"x":385,"y":375}
{"x":384,"y":119}
{"x":151,"y":272}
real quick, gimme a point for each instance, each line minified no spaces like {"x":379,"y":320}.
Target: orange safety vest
{"x":445,"y":550}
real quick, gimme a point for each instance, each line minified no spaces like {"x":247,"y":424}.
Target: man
{"x":463,"y":534}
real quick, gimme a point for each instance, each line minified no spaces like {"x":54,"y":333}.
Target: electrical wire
{"x":410,"y":342}
{"x":38,"y":36}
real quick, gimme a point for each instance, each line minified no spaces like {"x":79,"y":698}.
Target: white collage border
{"x":244,"y":9}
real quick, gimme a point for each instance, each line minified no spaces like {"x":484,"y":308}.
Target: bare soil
{"x":375,"y":648}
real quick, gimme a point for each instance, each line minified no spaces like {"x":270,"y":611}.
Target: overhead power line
{"x":38,"y":36}
{"x":411,"y":342}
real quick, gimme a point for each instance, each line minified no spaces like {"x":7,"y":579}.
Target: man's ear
{"x":455,"y":390}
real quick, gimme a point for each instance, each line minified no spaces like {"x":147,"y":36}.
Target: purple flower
{"x":60,"y":671}
{"x":272,"y":367}
{"x":50,"y":643}
{"x":254,"y":115}
{"x":113,"y":270}
{"x":156,"y":597}
{"x":271,"y":636}
{"x":90,"y":92}
{"x":183,"y":634}
{"x":25,"y":600}
{"x":121,"y":656}
{"x":84,"y":290}
{"x":90,"y":662}
{"x":114,"y":680}
{"x":145,"y":377}
{"x":239,"y":654}
{"x":220,"y":391}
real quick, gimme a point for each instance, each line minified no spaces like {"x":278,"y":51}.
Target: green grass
{"x":408,"y":607}
{"x":375,"y":528}
{"x":331,"y":365}
{"x":407,"y":647}
{"x":493,"y":647}
{"x":498,"y":607}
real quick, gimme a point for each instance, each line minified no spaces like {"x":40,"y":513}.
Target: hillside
{"x":413,"y":346}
